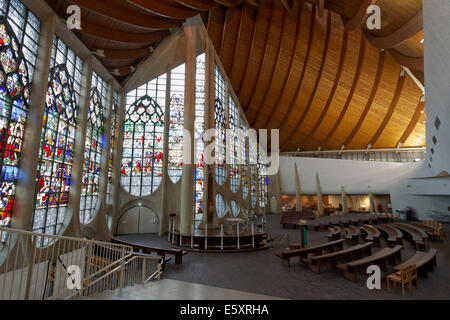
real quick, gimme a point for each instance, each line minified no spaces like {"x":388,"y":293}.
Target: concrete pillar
{"x":320,"y":207}
{"x":116,"y":176}
{"x":298,"y":191}
{"x":187,"y":182}
{"x":78,"y":160}
{"x":163,"y":226}
{"x":209,"y":123}
{"x":26,"y":186}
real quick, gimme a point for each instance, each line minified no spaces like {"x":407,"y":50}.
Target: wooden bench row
{"x":382,"y":258}
{"x":314,"y":250}
{"x":333,"y":258}
{"x":295,"y":217}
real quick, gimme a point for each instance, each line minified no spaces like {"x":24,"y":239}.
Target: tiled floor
{"x":261,"y":272}
{"x":167,"y":289}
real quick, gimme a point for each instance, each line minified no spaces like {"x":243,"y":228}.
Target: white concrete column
{"x":298,"y":191}
{"x":78,"y":159}
{"x":187,"y":182}
{"x":26,"y":186}
{"x":164,"y":205}
{"x":117,"y":160}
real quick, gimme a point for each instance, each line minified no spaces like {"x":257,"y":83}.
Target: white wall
{"x":408,"y":184}
{"x":436,"y":23}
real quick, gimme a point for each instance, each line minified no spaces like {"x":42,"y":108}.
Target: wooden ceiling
{"x":310,"y":68}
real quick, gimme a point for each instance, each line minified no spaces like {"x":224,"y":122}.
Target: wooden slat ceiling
{"x":309,"y":68}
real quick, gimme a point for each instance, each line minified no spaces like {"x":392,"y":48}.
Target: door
{"x":138,"y":220}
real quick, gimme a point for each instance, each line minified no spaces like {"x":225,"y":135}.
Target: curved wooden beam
{"x":252,"y":43}
{"x":412,"y":63}
{"x":320,"y":7}
{"x":288,"y":4}
{"x":225,"y":19}
{"x":241,"y":17}
{"x":123,"y":71}
{"x":356,"y":21}
{"x":412,"y":124}
{"x":376,"y":83}
{"x":362,"y":50}
{"x":263,"y":58}
{"x":333,"y":90}
{"x":229,"y":3}
{"x":120,"y":12}
{"x":98,"y":31}
{"x":123,"y":54}
{"x":406,"y":31}
{"x":316,"y":85}
{"x":238,"y":40}
{"x":161,"y":9}
{"x":291,"y":62}
{"x":305,"y":63}
{"x":272,"y":74}
{"x":201,"y":5}
{"x":387,"y":117}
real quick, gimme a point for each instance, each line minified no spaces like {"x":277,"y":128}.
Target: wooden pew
{"x":392,"y":234}
{"x":334,"y":234}
{"x":358,"y":251}
{"x":371,"y":234}
{"x":352,"y":234}
{"x":414,"y":234}
{"x":295,"y":217}
{"x":162,"y":252}
{"x":382,"y":258}
{"x":424,"y":261}
{"x":314,"y":250}
{"x":422,"y":226}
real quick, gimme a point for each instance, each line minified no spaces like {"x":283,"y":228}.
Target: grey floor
{"x":261,"y":272}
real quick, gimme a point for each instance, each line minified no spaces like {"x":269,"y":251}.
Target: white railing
{"x":36,"y":266}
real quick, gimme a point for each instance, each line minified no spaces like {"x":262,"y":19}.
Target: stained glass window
{"x":221,"y":205}
{"x":115,"y":107}
{"x":235,"y":209}
{"x":262,"y":181}
{"x":142,"y":160}
{"x":176,"y":125}
{"x":235,"y":152}
{"x":244,"y":145}
{"x":221,"y":122}
{"x":199,"y":143}
{"x":253,"y":172}
{"x":57,"y":139}
{"x":19,"y":34}
{"x":94,"y":146}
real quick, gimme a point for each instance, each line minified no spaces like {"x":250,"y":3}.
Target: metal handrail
{"x":67,"y":266}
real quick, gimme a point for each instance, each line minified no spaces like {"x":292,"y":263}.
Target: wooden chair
{"x":423,"y":243}
{"x":437,"y":233}
{"x":404,"y":276}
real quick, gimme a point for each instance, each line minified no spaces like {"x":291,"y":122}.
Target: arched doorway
{"x":139,"y":219}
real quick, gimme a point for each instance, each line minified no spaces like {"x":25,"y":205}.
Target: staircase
{"x":36,"y":266}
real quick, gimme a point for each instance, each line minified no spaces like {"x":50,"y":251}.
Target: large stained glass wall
{"x":19,"y":34}
{"x":244,"y":146}
{"x":235,"y":152}
{"x":94,"y":146}
{"x":115,"y":107}
{"x":262,"y":181}
{"x":199,"y":142}
{"x":57,"y":140}
{"x":253,"y":172}
{"x":220,"y":105}
{"x":176,"y":125}
{"x":142,"y":158}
